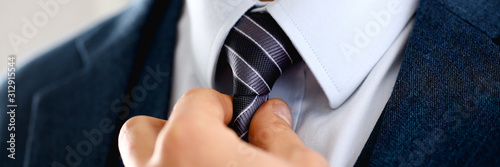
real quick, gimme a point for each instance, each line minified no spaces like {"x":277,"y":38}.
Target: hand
{"x":197,"y":135}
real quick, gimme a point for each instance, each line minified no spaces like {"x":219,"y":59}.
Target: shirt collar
{"x":339,"y":40}
{"x":210,"y":22}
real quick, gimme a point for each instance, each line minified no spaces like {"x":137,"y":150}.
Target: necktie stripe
{"x":244,"y":133}
{"x":269,"y":24}
{"x":267,"y":32}
{"x":241,"y":88}
{"x":260,"y":46}
{"x":242,"y":121}
{"x":258,"y":51}
{"x":243,"y":82}
{"x":281,"y":60}
{"x":251,"y":77}
{"x":253,"y":55}
{"x":267,"y":42}
{"x":246,"y":109}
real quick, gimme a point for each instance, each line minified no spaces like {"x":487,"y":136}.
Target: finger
{"x":270,"y":129}
{"x":197,"y":127}
{"x":197,"y":135}
{"x":137,"y":138}
{"x":205,"y":104}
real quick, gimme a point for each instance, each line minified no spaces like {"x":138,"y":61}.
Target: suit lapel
{"x":74,"y":118}
{"x":444,"y":107}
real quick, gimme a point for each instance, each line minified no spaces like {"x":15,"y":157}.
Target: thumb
{"x":270,"y":129}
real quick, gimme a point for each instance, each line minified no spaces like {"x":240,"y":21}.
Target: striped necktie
{"x":258,"y":52}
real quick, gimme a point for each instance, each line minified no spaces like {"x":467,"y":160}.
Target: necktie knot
{"x":258,"y":52}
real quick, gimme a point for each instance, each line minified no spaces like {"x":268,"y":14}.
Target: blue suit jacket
{"x":445,"y":107}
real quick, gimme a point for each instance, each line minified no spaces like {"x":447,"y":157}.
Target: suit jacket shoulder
{"x":445,"y":107}
{"x":70,"y":98}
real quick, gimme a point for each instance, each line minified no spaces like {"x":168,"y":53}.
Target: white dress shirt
{"x":352,"y":50}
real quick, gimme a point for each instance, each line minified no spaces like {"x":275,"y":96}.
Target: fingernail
{"x":281,"y":109}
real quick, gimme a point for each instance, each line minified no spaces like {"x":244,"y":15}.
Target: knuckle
{"x":201,"y":95}
{"x":175,"y":140}
{"x":196,"y":91}
{"x":178,"y":131}
{"x":134,"y":121}
{"x":193,"y":91}
{"x":182,"y":132}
